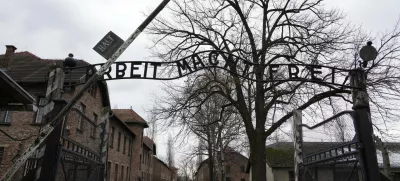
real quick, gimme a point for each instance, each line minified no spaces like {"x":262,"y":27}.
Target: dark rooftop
{"x":27,"y":67}
{"x":130,"y":117}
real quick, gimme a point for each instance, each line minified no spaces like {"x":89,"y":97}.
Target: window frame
{"x":82,"y":108}
{"x":2,"y":151}
{"x":124,"y":145}
{"x":116,"y":171}
{"x":93,"y":127}
{"x":119,"y":141}
{"x":228,"y":170}
{"x":112,"y":136}
{"x":7,"y":118}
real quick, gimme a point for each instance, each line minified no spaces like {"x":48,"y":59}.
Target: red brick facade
{"x":120,"y":151}
{"x":82,"y":133}
{"x":235,"y":168}
{"x":140,"y":169}
{"x":130,"y":155}
{"x":162,"y":172}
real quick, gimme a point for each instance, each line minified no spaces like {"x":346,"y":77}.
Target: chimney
{"x":6,"y":62}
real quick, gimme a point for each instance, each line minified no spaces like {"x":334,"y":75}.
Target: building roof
{"x":150,"y":144}
{"x":11,"y":92}
{"x":123,"y":124}
{"x":27,"y":67}
{"x":227,"y":150}
{"x":130,"y":117}
{"x":281,"y":154}
{"x":162,"y":162}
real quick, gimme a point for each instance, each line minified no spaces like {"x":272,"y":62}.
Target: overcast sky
{"x":52,"y":29}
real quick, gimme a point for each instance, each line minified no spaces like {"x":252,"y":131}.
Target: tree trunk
{"x":258,"y":158}
{"x":210,"y":159}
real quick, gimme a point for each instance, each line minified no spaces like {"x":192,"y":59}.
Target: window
{"x":108,"y":170}
{"x":122,"y":172}
{"x":5,"y":116}
{"x":116,"y":172}
{"x":291,"y":176}
{"x":92,"y":90}
{"x":93,"y":127}
{"x":124,"y":145}
{"x":1,"y":153}
{"x":242,"y":169}
{"x":149,"y":160}
{"x":127,"y":171}
{"x":81,"y":108}
{"x":228,"y":169}
{"x":129,"y":146}
{"x":40,"y":112}
{"x":119,"y":141}
{"x":112,"y":137}
{"x":140,"y":165}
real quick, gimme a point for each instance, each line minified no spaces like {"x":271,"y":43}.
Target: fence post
{"x":363,"y":126}
{"x":298,"y":143}
{"x":55,"y":104}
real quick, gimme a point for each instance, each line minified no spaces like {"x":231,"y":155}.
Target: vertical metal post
{"x":298,"y":143}
{"x":363,"y":126}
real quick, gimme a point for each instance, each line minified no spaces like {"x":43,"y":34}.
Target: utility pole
{"x":49,"y":128}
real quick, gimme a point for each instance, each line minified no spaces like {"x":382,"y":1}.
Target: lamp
{"x":368,"y":53}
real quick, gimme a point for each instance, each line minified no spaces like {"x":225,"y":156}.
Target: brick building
{"x":235,"y":167}
{"x":163,"y":172}
{"x":120,"y":151}
{"x":80,"y":135}
{"x":148,"y":152}
{"x":136,"y":124}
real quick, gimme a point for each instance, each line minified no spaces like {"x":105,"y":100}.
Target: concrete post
{"x":363,"y":126}
{"x":385,"y":157}
{"x":298,"y":143}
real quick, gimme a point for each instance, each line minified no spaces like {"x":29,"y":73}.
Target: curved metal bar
{"x":221,"y":52}
{"x":330,"y":119}
{"x":234,"y":73}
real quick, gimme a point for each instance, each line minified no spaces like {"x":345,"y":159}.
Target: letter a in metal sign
{"x":108,"y":45}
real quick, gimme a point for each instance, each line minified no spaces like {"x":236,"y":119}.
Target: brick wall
{"x":23,"y":125}
{"x":93,"y":107}
{"x":119,"y":157}
{"x":137,"y":151}
{"x":235,"y":168}
{"x":161,"y":171}
{"x":147,"y":164}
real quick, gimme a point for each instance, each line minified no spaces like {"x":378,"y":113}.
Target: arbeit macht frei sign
{"x":213,"y":59}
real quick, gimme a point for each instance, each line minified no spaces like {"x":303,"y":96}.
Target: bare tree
{"x":264,"y":33}
{"x":151,"y":132}
{"x":216,"y":124}
{"x":188,"y":168}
